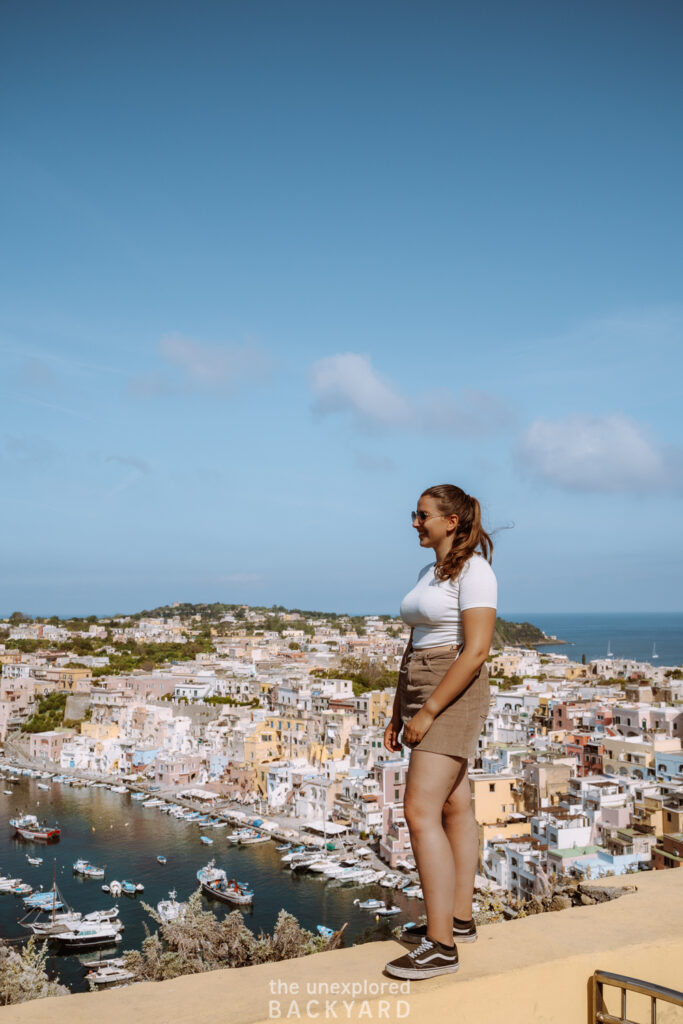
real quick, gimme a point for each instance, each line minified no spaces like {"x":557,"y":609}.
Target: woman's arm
{"x":478,"y":625}
{"x":392,"y":730}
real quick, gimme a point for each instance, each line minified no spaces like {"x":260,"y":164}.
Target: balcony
{"x":530,"y":969}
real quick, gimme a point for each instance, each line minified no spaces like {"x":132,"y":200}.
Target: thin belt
{"x":426,"y":651}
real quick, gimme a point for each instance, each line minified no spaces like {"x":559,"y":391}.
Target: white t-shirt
{"x":433,"y":607}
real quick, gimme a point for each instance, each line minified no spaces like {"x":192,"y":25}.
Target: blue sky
{"x":269,"y":270}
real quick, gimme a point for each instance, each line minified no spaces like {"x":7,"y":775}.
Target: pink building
{"x":47,"y":746}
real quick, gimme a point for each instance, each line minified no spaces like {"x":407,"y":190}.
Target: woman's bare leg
{"x":461,"y":829}
{"x":431,"y":778}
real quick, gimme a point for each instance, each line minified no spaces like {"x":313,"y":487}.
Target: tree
{"x":17,"y":617}
{"x":197,"y":941}
{"x":23,"y":975}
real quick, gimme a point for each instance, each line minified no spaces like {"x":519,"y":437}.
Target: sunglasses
{"x":422,"y":517}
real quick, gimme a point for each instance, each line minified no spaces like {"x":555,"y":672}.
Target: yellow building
{"x":495,"y":797}
{"x":380,"y":705}
{"x":261,"y":745}
{"x":100,"y":730}
{"x":289,"y":733}
{"x":66,"y":679}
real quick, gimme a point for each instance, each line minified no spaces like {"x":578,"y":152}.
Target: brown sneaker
{"x":427,"y":960}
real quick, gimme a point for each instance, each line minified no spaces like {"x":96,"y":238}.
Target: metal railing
{"x":598,"y":1013}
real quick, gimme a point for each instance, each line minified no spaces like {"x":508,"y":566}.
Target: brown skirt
{"x":456,"y":729}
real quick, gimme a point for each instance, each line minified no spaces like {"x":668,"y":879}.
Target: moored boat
{"x":88,"y":935}
{"x":170,"y":909}
{"x":215,"y":882}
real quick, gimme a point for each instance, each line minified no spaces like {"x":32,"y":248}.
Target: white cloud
{"x":213,"y":367}
{"x":348,"y":383}
{"x":608,"y":454}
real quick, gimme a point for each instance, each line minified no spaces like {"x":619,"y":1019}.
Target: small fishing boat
{"x":27,"y":826}
{"x":93,"y":872}
{"x":108,"y":975}
{"x":115,"y":888}
{"x":7,"y":884}
{"x":206,"y":840}
{"x":253,"y":836}
{"x":161,"y":858}
{"x":170,"y":909}
{"x":8,"y":792}
{"x":324,"y":931}
{"x":42,"y":785}
{"x":105,"y":888}
{"x":369,"y":904}
{"x":387,"y":911}
{"x":215,"y":882}
{"x":139,"y":887}
{"x":23,"y":889}
{"x":34,"y":860}
{"x":283,"y":846}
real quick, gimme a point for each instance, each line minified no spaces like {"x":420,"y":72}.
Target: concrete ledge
{"x":533,"y":969}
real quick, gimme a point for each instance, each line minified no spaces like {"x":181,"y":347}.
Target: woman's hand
{"x":415,"y":728}
{"x":391,"y":740}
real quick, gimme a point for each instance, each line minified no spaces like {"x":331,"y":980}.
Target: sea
{"x":655,"y":637}
{"x":112,"y":830}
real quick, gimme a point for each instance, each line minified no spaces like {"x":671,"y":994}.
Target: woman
{"x":441,"y":703}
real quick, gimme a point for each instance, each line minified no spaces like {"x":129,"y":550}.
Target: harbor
{"x":112,"y":830}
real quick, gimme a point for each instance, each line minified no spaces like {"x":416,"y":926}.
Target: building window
{"x":492,"y":787}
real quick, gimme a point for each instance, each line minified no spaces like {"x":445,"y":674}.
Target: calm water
{"x":113,"y":830}
{"x":629,"y":636}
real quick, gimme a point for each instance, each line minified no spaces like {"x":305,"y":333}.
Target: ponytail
{"x":470,"y":536}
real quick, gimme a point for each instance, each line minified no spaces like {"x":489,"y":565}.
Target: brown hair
{"x":470,"y":535}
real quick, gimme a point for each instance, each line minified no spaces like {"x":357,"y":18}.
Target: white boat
{"x":654,"y":652}
{"x":89,"y":935}
{"x":170,"y":909}
{"x":109,"y":975}
{"x":237,"y":835}
{"x":34,"y":860}
{"x":215,"y":882}
{"x":206,"y":840}
{"x":609,"y":650}
{"x":8,"y":792}
{"x":369,"y":904}
{"x":7,"y":884}
{"x":42,"y":785}
{"x":387,"y":911}
{"x":115,"y":888}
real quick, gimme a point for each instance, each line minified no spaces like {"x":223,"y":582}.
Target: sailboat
{"x":654,"y":652}
{"x":609,"y":650}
